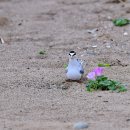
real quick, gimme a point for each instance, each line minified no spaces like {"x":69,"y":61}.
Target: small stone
{"x":109,"y":18}
{"x":2,"y":41}
{"x":93,"y":31}
{"x":29,"y":57}
{"x":105,"y":101}
{"x":64,"y":87}
{"x":125,"y":33}
{"x":127,"y":119}
{"x":108,"y":46}
{"x":82,"y":55}
{"x":94,"y":46}
{"x":20,"y":24}
{"x":78,"y":48}
{"x":80,"y":125}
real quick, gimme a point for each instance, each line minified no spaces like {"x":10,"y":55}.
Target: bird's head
{"x":72,"y":54}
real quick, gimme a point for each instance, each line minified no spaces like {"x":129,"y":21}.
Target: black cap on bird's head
{"x":72,"y":53}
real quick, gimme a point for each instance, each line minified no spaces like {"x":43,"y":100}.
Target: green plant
{"x":121,"y":22}
{"x":103,"y":65}
{"x":42,"y":52}
{"x":65,"y":66}
{"x":97,"y":81}
{"x":103,"y":83}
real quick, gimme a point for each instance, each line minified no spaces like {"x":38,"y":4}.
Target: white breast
{"x":73,"y":70}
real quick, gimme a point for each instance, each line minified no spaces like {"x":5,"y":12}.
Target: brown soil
{"x":33,"y":92}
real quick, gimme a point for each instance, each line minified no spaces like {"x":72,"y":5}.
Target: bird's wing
{"x":81,"y":66}
{"x":81,"y":70}
{"x":80,"y":61}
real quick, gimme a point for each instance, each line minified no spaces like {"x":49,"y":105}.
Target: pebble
{"x":82,"y":55}
{"x":94,"y":46}
{"x":109,"y":18}
{"x":2,"y":41}
{"x":78,"y":48}
{"x":80,"y":125}
{"x":93,"y":31}
{"x":127,"y":119}
{"x":20,"y":24}
{"x":108,"y":46}
{"x":125,"y":33}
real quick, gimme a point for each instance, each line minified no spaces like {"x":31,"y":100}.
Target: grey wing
{"x":81,"y":70}
{"x":80,"y":61}
{"x":80,"y":66}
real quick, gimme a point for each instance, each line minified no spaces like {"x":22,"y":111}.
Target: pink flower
{"x":91,"y":76}
{"x":98,"y":71}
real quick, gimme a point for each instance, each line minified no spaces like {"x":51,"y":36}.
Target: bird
{"x":74,"y":70}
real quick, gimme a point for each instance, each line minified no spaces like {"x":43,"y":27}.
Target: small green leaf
{"x":92,"y":85}
{"x":65,"y":66}
{"x":103,"y":65}
{"x":121,"y":22}
{"x":42,"y":52}
{"x":122,"y":89}
{"x":90,"y":89}
{"x":101,"y":78}
{"x":105,"y":83}
{"x":112,"y":87}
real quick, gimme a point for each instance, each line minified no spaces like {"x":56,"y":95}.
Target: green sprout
{"x":42,"y":52}
{"x":121,"y":22}
{"x":65,"y":66}
{"x":103,"y":65}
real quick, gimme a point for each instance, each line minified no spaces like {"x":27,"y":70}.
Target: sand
{"x":33,"y":92}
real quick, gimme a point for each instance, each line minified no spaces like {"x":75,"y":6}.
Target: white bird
{"x":75,"y":69}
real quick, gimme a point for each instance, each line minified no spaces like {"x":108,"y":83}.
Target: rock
{"x":80,"y":125}
{"x":125,"y":33}
{"x":109,"y":18}
{"x":116,"y":1}
{"x":108,"y":46}
{"x":93,"y":31}
{"x":2,"y":41}
{"x":94,"y":46}
{"x":127,"y":119}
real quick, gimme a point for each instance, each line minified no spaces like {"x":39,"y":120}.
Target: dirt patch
{"x":34,"y":93}
{"x":5,"y":0}
{"x":3,"y":21}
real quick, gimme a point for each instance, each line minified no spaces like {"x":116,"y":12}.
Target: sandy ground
{"x":33,"y":91}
